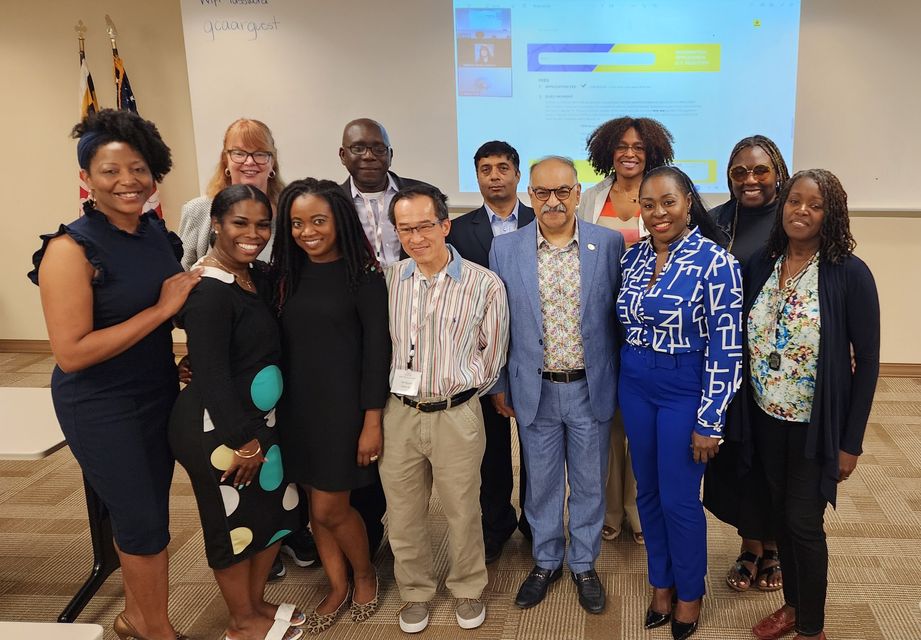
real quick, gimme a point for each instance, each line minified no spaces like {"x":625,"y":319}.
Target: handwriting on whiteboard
{"x":252,"y":27}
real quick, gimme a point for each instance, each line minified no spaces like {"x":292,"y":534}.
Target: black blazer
{"x":471,"y":233}
{"x":849,"y":312}
{"x":400,"y":182}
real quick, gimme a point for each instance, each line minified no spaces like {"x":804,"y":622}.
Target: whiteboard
{"x":308,"y":67}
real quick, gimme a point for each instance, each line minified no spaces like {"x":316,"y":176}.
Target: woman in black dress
{"x":222,"y":429}
{"x":735,"y":490}
{"x":332,"y":302}
{"x":110,"y":284}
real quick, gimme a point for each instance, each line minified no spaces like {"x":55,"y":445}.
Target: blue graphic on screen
{"x":543,"y":75}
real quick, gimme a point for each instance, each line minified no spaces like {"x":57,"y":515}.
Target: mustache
{"x":560,"y":208}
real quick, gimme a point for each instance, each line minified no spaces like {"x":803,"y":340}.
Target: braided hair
{"x":699,"y":216}
{"x":835,"y":240}
{"x":602,"y":142}
{"x":767,"y":145}
{"x":288,"y":259}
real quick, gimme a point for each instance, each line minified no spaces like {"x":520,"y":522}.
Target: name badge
{"x":406,"y":382}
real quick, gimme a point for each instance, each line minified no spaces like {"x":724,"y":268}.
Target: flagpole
{"x":113,"y":33}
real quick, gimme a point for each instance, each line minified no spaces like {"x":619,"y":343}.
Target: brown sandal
{"x":740,"y":575}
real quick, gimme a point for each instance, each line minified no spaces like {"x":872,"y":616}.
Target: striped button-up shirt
{"x":462,"y":343}
{"x":560,"y":286}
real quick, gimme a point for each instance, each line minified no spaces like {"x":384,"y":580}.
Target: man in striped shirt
{"x":449,"y":327}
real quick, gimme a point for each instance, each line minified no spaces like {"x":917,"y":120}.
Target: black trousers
{"x":496,"y":481}
{"x":799,"y":516}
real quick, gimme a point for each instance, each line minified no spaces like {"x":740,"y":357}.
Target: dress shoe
{"x":684,"y":630}
{"x":656,"y":618}
{"x":591,"y":591}
{"x":778,"y":624}
{"x":534,"y":588}
{"x":493,"y":550}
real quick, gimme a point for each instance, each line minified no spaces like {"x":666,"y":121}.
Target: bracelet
{"x":246,"y":455}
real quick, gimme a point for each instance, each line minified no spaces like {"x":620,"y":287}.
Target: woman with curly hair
{"x":809,"y":304}
{"x":110,"y":285}
{"x":622,"y":150}
{"x":332,"y":304}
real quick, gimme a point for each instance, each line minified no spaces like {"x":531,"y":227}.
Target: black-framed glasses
{"x":239,"y":156}
{"x":376,"y":149}
{"x":423,"y":228}
{"x":741,"y":172}
{"x":544,"y":194}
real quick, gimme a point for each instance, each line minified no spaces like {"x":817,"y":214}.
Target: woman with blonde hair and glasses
{"x":248,"y":157}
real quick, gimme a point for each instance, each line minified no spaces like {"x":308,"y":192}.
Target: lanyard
{"x":378,"y":234}
{"x":429,"y":309}
{"x":778,"y":316}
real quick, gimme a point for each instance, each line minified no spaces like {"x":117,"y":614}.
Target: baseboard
{"x":888,"y":369}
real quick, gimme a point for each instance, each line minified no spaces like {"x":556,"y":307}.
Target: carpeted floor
{"x":874,"y":586}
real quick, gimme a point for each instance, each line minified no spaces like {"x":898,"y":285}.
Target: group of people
{"x":351,"y":346}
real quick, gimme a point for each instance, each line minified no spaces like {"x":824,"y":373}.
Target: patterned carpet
{"x":874,"y":586}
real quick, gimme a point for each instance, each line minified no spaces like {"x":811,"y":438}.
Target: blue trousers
{"x":659,"y":395}
{"x":565,"y":440}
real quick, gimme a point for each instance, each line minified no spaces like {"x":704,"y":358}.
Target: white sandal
{"x":286,"y":613}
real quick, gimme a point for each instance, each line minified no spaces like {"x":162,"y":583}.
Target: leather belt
{"x":439,"y":405}
{"x":564,"y":376}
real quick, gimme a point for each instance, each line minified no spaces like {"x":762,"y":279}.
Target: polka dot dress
{"x":236,"y":383}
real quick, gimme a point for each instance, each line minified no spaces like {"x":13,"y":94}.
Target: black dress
{"x":114,"y":414}
{"x":234,"y":352}
{"x":337,"y":365}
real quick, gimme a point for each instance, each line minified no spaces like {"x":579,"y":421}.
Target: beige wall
{"x":39,"y":168}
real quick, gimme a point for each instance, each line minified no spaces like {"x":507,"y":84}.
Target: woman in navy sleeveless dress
{"x":110,"y":283}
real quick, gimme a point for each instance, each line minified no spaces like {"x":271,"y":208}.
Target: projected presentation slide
{"x":543,"y":75}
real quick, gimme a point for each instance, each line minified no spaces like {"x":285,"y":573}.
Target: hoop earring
{"x":227,"y":172}
{"x":271,"y":174}
{"x":92,"y":199}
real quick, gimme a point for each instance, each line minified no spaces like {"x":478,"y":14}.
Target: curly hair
{"x":288,"y":259}
{"x":835,"y":240}
{"x":255,"y":135}
{"x":111,"y":125}
{"x":601,"y":143}
{"x":767,"y":145}
{"x":699,"y":216}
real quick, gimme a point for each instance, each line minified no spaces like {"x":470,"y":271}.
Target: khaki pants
{"x":621,"y":488}
{"x":444,"y":447}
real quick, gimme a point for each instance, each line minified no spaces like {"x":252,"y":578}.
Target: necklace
{"x":245,"y":283}
{"x":735,"y":226}
{"x":632,"y":196}
{"x":794,"y":277}
{"x":790,"y":285}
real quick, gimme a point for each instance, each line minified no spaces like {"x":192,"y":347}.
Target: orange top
{"x":629,"y":228}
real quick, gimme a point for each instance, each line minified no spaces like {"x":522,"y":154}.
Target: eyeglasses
{"x":636,"y":148}
{"x":376,"y":149}
{"x":239,"y":156}
{"x":423,"y":228}
{"x":758,"y":172}
{"x":543,"y":194}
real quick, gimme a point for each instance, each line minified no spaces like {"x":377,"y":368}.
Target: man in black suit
{"x":366,"y":154}
{"x":471,"y":234}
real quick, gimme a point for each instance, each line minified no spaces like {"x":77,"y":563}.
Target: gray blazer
{"x":592,"y":201}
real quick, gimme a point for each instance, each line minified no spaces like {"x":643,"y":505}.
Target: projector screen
{"x":544,"y":75}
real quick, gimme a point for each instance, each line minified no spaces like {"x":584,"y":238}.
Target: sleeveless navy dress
{"x":114,"y":414}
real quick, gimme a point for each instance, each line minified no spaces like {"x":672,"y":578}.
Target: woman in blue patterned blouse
{"x":681,"y":306}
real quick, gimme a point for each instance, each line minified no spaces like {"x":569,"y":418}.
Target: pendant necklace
{"x":793,"y":281}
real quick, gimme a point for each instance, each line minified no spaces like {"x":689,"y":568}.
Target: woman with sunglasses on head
{"x":811,"y":366}
{"x":248,"y":156}
{"x":332,"y":303}
{"x":622,"y":150}
{"x":734,"y":486}
{"x":222,"y":429}
{"x":680,"y":305}
{"x":110,"y":285}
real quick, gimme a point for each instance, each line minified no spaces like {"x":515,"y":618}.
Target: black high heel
{"x":684,"y":630}
{"x":657,"y":619}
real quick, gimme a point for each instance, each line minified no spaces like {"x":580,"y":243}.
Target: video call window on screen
{"x":484,"y":52}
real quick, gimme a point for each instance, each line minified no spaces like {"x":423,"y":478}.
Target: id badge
{"x":406,"y":382}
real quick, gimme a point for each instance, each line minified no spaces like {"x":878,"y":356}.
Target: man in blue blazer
{"x":497,"y":175}
{"x":562,"y":276}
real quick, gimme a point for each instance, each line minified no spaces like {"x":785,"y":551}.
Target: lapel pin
{"x":590,"y":246}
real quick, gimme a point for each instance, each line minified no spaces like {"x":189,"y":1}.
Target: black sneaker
{"x":300,"y":547}
{"x":277,"y":572}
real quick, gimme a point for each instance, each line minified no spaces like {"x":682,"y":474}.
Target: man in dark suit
{"x":366,"y":154}
{"x":472,"y":235}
